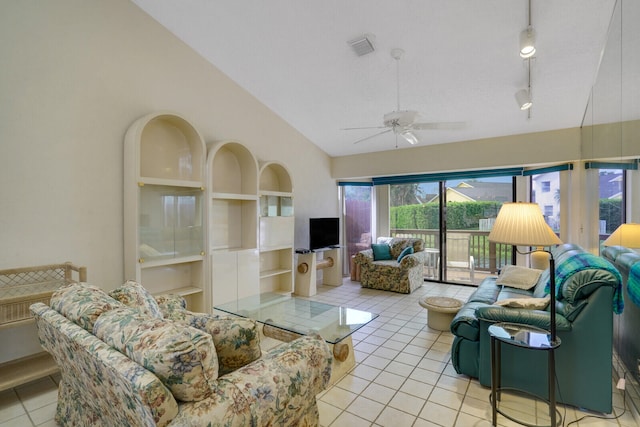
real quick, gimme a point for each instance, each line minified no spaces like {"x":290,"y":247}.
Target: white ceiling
{"x":461,"y":62}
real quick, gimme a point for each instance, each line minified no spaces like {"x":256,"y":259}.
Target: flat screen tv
{"x":324,"y":232}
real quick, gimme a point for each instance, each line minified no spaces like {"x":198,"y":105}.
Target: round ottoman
{"x":440,"y":311}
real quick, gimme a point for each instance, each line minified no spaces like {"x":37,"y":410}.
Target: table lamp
{"x":522,"y":224}
{"x":627,"y":235}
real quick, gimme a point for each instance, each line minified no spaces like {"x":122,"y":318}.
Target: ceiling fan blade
{"x":374,"y":135}
{"x":438,"y":125}
{"x":367,"y":127}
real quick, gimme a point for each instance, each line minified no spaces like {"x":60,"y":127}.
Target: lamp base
{"x":539,"y":259}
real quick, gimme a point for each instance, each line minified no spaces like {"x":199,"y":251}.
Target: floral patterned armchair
{"x":127,"y":358}
{"x":402,"y":276}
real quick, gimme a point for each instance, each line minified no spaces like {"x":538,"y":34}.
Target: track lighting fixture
{"x":523,"y":98}
{"x":528,"y":39}
{"x":527,"y":50}
{"x":527,"y":42}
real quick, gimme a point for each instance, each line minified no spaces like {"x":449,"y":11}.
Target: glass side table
{"x":530,"y":338}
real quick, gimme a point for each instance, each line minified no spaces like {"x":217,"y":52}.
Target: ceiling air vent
{"x":362,"y":45}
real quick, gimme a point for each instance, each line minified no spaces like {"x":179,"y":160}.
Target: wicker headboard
{"x":21,"y":287}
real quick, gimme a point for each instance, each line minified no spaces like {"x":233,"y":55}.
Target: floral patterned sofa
{"x":403,"y":276}
{"x":127,"y":358}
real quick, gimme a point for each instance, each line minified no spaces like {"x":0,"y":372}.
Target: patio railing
{"x":488,"y":256}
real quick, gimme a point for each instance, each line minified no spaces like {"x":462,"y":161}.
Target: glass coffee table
{"x":286,"y":317}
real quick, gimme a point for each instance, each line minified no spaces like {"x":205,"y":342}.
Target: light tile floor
{"x":403,"y":375}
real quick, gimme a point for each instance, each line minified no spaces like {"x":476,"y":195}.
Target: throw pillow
{"x":381,"y":251}
{"x":134,"y":295}
{"x":406,"y":251}
{"x":237,"y":340}
{"x":182,"y":357}
{"x":82,"y":303}
{"x":515,"y":276}
{"x":528,"y":303}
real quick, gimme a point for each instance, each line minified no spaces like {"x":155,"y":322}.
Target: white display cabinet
{"x":276,"y":228}
{"x":233,"y":221}
{"x":164,"y":176}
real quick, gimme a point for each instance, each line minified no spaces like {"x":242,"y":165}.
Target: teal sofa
{"x":625,"y":329}
{"x":588,"y":294}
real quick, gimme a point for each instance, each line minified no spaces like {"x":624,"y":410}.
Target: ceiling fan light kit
{"x":404,"y":122}
{"x":409,"y":136}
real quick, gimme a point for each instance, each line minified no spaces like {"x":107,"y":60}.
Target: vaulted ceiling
{"x":461,"y":62}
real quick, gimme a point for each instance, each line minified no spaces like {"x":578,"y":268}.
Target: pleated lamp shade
{"x":522,"y":224}
{"x":627,"y":235}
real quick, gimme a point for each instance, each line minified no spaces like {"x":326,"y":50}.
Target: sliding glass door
{"x":415,"y":212}
{"x":454,"y":218}
{"x":472,"y":205}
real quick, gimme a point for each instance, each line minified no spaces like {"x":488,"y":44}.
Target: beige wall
{"x":517,"y":150}
{"x":75,"y":75}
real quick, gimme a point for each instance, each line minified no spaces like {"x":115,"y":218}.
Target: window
{"x":548,"y":211}
{"x":611,"y":201}
{"x":545,"y":191}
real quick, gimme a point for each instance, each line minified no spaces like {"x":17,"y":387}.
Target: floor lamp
{"x":522,"y":224}
{"x":627,"y":235}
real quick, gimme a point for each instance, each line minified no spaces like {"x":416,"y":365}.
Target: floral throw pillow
{"x":82,"y":303}
{"x":182,"y":357}
{"x":134,"y":295}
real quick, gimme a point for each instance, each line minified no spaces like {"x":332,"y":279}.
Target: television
{"x":324,"y":232}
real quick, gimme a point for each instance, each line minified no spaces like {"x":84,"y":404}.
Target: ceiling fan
{"x":404,"y":122}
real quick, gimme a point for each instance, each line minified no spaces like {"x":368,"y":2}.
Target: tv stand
{"x":309,"y":262}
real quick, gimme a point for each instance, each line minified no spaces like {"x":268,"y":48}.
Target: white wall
{"x":75,"y":74}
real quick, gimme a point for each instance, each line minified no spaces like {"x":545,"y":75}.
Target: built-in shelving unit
{"x":233,"y":229}
{"x":164,"y":186}
{"x":276,"y":228}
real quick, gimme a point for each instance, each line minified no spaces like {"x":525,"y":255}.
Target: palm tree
{"x":405,"y":194}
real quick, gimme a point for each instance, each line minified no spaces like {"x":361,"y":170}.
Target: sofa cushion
{"x":182,"y":357}
{"x":406,"y":251}
{"x":82,"y":303}
{"x":134,"y":295}
{"x":526,"y":303}
{"x":381,"y":251}
{"x":516,"y":276}
{"x":486,"y":293}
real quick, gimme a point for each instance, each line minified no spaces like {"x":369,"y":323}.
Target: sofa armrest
{"x":364,"y":257}
{"x":308,"y":356}
{"x":538,"y":318}
{"x":237,"y":340}
{"x":413,"y":260}
{"x":277,"y":389}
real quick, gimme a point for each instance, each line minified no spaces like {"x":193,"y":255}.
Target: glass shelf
{"x":273,"y":205}
{"x":170,"y":222}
